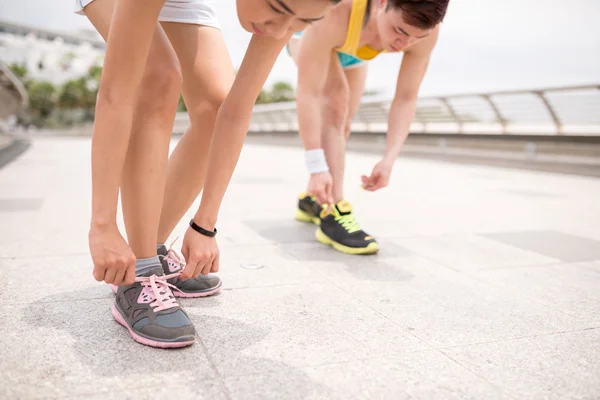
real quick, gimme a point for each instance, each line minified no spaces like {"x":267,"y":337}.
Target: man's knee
{"x":336,"y":108}
{"x":347,"y":128}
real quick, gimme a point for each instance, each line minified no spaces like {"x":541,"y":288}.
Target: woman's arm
{"x":233,"y":120}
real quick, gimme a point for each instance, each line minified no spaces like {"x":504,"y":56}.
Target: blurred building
{"x":49,"y":55}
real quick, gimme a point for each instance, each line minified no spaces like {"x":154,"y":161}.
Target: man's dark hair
{"x":423,"y":14}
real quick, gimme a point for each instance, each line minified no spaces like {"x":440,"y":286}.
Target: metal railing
{"x":573,"y":110}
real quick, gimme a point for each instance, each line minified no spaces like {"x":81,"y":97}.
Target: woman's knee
{"x":161,"y":83}
{"x":206,"y":105}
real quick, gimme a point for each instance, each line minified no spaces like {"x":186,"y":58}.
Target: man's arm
{"x":314,"y":56}
{"x":402,"y":111}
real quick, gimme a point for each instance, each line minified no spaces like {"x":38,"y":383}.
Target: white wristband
{"x":315,"y":161}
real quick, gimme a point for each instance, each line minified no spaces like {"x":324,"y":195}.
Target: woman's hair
{"x":423,"y":14}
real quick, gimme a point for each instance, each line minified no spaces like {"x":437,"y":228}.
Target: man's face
{"x":396,"y":35}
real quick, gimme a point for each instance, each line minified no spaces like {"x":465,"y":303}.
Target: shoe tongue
{"x":161,"y":250}
{"x":344,"y":207}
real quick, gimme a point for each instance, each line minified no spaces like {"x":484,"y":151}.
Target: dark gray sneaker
{"x":150,"y":312}
{"x":201,"y":286}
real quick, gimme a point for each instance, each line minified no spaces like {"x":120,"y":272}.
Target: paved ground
{"x":487,"y":287}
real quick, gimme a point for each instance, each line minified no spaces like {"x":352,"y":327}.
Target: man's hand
{"x":380,"y":176}
{"x":114,"y":262}
{"x":321,"y":186}
{"x":201,"y":254}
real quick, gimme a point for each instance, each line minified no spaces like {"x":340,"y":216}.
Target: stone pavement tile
{"x":471,"y":252}
{"x":49,"y":279}
{"x":178,"y":386}
{"x":51,"y":241}
{"x":559,"y":366}
{"x":269,"y":329}
{"x":261,"y":266}
{"x":558,"y":245}
{"x":422,"y":375}
{"x":63,"y":348}
{"x":438,"y":305}
{"x":570,"y":288}
{"x":316,"y":251}
{"x":595,"y":265}
{"x":278,"y":231}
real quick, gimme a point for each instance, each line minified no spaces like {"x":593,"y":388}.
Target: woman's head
{"x":403,"y":23}
{"x":278,"y":18}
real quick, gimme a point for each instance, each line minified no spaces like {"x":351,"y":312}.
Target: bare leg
{"x":356,"y":78}
{"x":208,"y":75}
{"x":335,"y":113}
{"x":145,"y":165}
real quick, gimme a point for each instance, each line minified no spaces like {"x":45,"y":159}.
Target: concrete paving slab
{"x":571,"y":288}
{"x":558,"y":366}
{"x":423,"y":375}
{"x":259,"y":330}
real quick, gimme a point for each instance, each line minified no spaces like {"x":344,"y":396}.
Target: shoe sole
{"x":149,"y":342}
{"x":185,"y":295}
{"x":372,"y":248}
{"x":194,"y":295}
{"x":305,"y":217}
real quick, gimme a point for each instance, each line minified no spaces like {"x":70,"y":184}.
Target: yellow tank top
{"x":357,"y":15}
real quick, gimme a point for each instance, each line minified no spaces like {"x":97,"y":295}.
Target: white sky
{"x":484,"y":45}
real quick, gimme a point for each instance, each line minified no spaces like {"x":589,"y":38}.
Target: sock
{"x":144,"y":265}
{"x":161,"y":249}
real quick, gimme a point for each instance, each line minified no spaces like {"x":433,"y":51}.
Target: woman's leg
{"x":207,"y":77}
{"x":142,"y":188}
{"x":144,"y":171}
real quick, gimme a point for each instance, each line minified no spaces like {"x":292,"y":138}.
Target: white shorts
{"x":199,"y":12}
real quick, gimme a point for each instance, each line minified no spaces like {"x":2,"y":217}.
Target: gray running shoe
{"x":201,"y":286}
{"x":150,"y":312}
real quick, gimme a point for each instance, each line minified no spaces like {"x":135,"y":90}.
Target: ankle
{"x":145,"y":265}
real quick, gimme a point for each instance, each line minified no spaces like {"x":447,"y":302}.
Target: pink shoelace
{"x":157,"y":291}
{"x":175,"y":259}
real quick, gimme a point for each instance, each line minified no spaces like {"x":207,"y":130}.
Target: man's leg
{"x":335,"y":114}
{"x":142,"y":189}
{"x":339,"y":228}
{"x":333,"y":142}
{"x":208,"y":75}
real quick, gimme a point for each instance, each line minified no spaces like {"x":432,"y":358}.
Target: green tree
{"x":264,"y":97}
{"x":282,"y":91}
{"x":181,"y":105}
{"x":42,"y":99}
{"x":75,"y":94}
{"x":95,"y":72}
{"x":20,"y":70}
